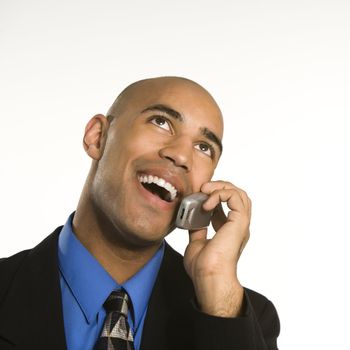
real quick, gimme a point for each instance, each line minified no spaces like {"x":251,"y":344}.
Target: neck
{"x":120,"y":258}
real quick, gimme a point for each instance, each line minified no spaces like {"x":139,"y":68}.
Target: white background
{"x":280,"y":70}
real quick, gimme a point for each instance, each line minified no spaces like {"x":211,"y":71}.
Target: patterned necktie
{"x":116,"y":333}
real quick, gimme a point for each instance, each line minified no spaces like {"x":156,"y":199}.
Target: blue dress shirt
{"x":85,"y":286}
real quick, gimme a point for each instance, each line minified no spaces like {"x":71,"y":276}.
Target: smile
{"x":156,"y":185}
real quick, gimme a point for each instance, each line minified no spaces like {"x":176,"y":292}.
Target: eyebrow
{"x":211,"y":136}
{"x":165,"y":109}
{"x":175,"y":114}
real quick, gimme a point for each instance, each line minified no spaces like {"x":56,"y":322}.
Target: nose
{"x":180,"y":152}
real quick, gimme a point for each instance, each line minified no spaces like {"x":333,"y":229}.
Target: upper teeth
{"x":160,"y":182}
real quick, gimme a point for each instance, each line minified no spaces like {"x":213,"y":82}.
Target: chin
{"x":143,"y":233}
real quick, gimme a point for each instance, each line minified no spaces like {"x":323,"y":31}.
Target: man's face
{"x":161,"y":146}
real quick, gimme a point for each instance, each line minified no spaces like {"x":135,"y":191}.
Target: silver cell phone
{"x":191,"y":215}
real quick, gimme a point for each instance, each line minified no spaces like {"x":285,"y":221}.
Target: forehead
{"x":192,"y":101}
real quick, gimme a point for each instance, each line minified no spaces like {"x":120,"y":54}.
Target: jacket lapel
{"x":35,"y":294}
{"x":168,"y":321}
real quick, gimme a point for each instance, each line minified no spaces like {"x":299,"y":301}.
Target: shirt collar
{"x":90,"y":283}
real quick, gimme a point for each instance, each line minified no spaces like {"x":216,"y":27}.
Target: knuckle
{"x":248,"y":234}
{"x":245,"y":193}
{"x":205,"y":186}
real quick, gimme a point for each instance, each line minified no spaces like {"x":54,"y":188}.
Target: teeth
{"x":160,"y":182}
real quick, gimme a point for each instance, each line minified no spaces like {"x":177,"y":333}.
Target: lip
{"x":154,"y":200}
{"x":168,"y":176}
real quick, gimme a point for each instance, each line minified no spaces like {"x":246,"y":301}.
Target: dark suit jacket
{"x":31,"y":309}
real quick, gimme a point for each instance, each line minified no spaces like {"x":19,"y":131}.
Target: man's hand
{"x":212,"y":263}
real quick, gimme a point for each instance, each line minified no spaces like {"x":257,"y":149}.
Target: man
{"x":160,"y":141}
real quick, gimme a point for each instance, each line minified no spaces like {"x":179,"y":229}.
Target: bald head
{"x":160,"y":85}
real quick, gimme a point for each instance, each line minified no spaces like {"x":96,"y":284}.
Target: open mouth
{"x":158,"y":186}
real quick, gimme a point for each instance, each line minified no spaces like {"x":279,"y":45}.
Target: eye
{"x":161,"y":122}
{"x":206,"y":149}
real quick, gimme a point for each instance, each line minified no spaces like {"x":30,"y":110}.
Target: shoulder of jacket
{"x":259,"y":302}
{"x":8,"y":269}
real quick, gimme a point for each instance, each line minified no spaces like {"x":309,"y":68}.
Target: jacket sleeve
{"x":257,"y":329}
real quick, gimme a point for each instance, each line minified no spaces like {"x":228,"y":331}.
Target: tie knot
{"x":117,"y":302}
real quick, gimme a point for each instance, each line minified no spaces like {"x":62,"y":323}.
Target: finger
{"x":219,"y":217}
{"x":232,"y":197}
{"x":231,"y":239}
{"x":197,"y":235}
{"x":213,"y":186}
{"x":250,"y":207}
{"x":245,"y":198}
{"x":244,"y":243}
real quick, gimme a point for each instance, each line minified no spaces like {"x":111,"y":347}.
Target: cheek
{"x":124,"y":148}
{"x":202,"y":172}
{"x":118,"y":165}
{"x":137,"y":143}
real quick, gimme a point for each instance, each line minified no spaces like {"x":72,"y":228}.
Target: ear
{"x":95,"y":136}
